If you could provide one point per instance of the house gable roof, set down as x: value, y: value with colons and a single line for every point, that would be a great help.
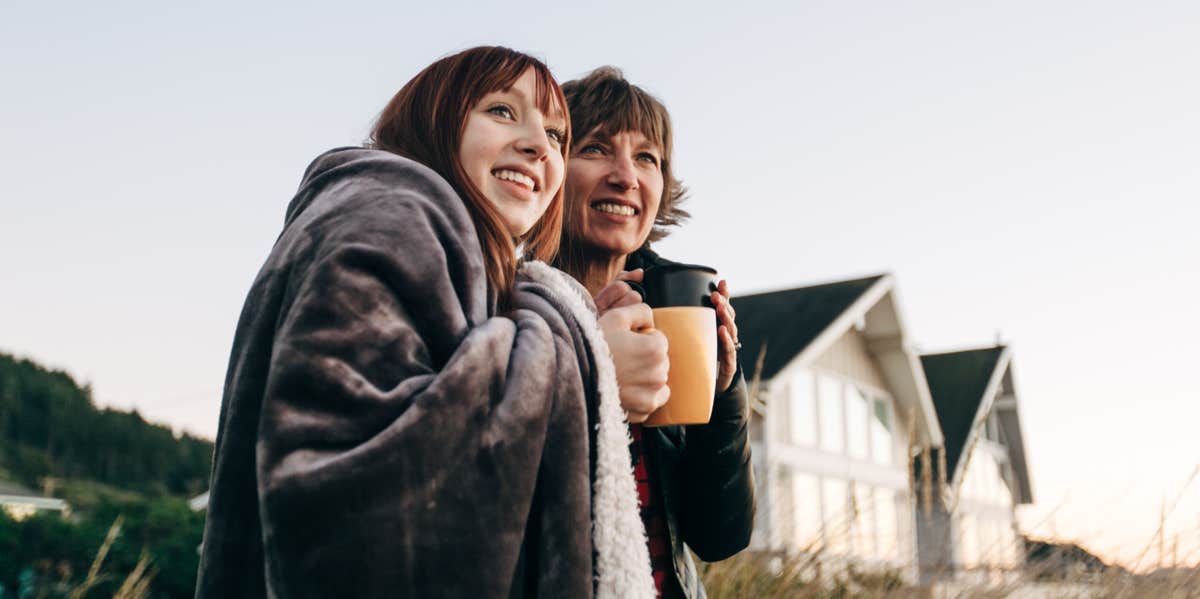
x: 957, y: 381
x: 793, y: 326
x: 778, y: 325
x: 12, y: 493
x: 964, y: 386
x: 12, y: 489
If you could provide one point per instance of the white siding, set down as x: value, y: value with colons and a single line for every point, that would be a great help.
x: 836, y: 458
x: 848, y: 356
x: 985, y: 530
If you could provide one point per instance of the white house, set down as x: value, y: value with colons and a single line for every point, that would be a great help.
x: 20, y: 503
x: 840, y: 407
x: 970, y: 524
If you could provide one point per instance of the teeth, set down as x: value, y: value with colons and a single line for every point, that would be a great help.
x: 514, y: 176
x: 615, y: 209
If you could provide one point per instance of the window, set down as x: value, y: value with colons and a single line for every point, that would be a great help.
x: 864, y: 519
x: 882, y: 442
x: 829, y: 403
x: 968, y: 540
x: 835, y: 519
x: 888, y: 533
x: 783, y: 507
x: 806, y: 510
x: 851, y: 420
x: 858, y: 409
x: 803, y: 410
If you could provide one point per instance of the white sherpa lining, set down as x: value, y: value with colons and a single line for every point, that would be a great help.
x: 618, y: 534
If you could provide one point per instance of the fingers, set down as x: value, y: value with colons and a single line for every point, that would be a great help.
x: 640, y: 359
x: 638, y: 316
x: 723, y: 289
x: 726, y: 358
x: 634, y: 275
x: 604, y: 300
x: 727, y: 334
x: 725, y: 314
x: 728, y: 348
x: 636, y: 417
x: 615, y: 295
x: 636, y: 412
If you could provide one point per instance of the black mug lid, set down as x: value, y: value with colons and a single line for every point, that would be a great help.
x: 676, y: 266
x: 675, y: 284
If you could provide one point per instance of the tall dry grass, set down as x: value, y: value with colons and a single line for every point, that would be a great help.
x: 812, y: 573
x: 767, y: 576
x: 135, y: 585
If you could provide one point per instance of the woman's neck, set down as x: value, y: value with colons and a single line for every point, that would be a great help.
x: 599, y: 271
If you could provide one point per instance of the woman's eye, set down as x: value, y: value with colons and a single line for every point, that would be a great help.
x: 501, y: 111
x: 648, y: 158
x: 556, y: 135
x: 591, y: 149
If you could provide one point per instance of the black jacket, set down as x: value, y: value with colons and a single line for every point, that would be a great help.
x: 706, y: 479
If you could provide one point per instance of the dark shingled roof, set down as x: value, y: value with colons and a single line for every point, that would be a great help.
x: 13, y: 489
x: 785, y: 322
x: 957, y: 381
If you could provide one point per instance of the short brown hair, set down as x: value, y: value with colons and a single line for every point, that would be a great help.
x: 425, y: 120
x: 604, y: 100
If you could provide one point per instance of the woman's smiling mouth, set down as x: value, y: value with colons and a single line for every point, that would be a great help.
x: 515, y: 177
x: 614, y: 208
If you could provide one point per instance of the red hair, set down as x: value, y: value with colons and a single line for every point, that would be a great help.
x: 425, y: 120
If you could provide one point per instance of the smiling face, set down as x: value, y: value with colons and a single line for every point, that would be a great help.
x: 614, y: 186
x: 512, y: 153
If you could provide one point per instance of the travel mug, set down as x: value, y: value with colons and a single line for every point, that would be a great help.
x: 679, y: 297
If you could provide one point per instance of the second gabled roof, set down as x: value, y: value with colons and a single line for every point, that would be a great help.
x: 964, y: 385
x: 785, y: 322
x: 957, y: 381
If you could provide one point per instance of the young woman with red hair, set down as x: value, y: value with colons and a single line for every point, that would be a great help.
x: 416, y: 405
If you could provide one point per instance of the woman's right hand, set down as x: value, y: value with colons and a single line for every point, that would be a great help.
x: 640, y: 359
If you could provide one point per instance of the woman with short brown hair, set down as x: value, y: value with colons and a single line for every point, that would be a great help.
x: 695, y: 482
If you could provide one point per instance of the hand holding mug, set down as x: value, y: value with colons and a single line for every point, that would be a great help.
x: 618, y: 293
x: 727, y: 337
x: 640, y: 359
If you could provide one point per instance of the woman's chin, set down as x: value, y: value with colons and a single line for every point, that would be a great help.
x: 606, y: 248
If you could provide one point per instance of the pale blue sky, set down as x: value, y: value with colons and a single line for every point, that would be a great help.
x: 1027, y: 168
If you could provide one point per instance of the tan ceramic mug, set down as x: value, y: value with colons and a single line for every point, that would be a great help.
x: 679, y: 296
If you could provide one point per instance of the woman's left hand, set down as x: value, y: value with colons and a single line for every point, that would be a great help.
x: 617, y: 294
x: 727, y: 337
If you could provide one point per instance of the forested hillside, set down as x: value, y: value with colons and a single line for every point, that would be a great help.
x: 49, y: 426
x: 111, y: 467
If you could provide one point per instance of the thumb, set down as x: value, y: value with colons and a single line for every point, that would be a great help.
x: 634, y: 275
x: 638, y: 316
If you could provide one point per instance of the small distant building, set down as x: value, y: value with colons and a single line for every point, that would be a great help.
x: 20, y: 503
x: 981, y: 474
x: 840, y: 405
x: 199, y: 503
x: 1064, y: 561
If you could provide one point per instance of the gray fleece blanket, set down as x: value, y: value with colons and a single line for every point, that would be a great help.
x: 384, y: 434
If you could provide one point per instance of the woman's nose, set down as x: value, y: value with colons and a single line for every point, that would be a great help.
x: 534, y: 143
x: 622, y: 174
